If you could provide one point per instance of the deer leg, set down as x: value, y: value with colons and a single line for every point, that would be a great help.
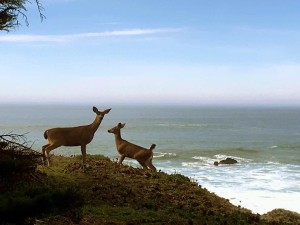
x: 150, y: 165
x: 44, y: 153
x: 47, y: 150
x: 143, y: 164
x: 83, y: 152
x: 121, y: 158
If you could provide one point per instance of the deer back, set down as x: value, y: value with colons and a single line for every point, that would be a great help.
x: 70, y: 136
x: 133, y: 151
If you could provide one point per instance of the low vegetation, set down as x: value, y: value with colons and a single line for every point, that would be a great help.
x: 105, y: 193
x: 25, y: 191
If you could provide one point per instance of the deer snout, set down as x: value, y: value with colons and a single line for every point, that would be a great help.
x: 109, y: 131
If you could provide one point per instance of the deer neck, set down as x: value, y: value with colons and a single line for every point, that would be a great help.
x: 118, y: 138
x: 96, y: 123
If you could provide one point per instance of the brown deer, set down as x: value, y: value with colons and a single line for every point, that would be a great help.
x: 72, y: 136
x: 126, y: 149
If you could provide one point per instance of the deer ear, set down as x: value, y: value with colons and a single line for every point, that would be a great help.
x: 120, y: 125
x: 95, y: 109
x: 106, y: 111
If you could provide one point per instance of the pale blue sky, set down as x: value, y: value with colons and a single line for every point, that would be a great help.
x: 155, y: 51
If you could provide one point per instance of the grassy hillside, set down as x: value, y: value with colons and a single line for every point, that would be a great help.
x: 124, y: 195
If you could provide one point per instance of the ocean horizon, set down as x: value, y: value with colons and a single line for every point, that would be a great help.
x: 264, y: 140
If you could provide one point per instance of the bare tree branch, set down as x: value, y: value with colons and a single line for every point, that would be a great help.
x: 17, y: 146
x: 40, y: 8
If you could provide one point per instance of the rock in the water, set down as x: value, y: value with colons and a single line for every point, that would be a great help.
x: 225, y: 161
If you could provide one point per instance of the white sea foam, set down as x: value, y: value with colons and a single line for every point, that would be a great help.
x: 260, y: 187
x: 164, y: 155
x: 239, y: 159
x: 209, y: 161
x: 258, y: 201
x: 200, y: 161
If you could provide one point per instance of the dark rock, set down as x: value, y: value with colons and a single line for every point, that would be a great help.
x: 225, y: 161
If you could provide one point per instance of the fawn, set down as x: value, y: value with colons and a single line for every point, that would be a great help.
x: 126, y: 149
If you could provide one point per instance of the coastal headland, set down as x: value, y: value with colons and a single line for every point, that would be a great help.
x: 114, y: 194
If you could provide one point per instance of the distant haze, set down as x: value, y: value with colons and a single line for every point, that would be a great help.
x: 153, y: 52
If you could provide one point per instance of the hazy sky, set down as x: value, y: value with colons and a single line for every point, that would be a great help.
x: 155, y: 51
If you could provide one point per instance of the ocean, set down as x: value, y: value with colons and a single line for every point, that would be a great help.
x: 264, y: 141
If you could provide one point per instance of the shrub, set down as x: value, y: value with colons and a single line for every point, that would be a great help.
x: 23, y: 198
x: 16, y: 156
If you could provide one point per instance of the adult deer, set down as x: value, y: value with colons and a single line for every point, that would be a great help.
x: 72, y: 136
x: 126, y: 149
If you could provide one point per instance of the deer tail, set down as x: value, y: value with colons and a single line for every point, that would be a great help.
x: 45, y: 134
x: 152, y: 147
